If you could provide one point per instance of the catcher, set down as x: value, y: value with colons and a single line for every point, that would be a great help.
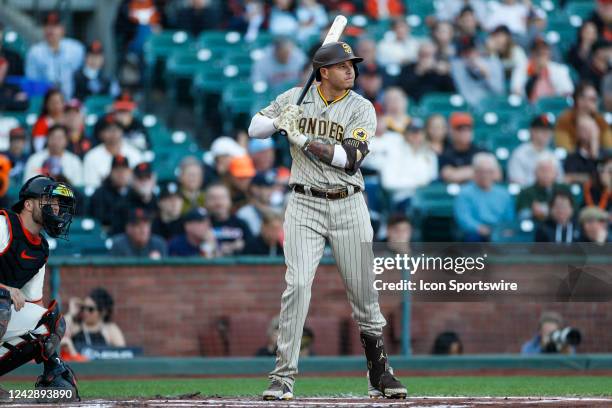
x: 28, y: 330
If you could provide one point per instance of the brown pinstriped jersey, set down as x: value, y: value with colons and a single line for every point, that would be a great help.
x: 350, y: 116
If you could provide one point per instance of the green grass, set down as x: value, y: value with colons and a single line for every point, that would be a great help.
x: 336, y: 386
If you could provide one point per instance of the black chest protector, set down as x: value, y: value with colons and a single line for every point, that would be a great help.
x: 22, y: 258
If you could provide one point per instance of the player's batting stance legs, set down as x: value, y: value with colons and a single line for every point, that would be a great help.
x: 29, y: 331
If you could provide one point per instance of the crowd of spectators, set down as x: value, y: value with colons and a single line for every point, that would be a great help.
x: 232, y: 202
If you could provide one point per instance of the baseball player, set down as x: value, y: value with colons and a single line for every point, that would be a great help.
x: 28, y: 330
x: 329, y: 136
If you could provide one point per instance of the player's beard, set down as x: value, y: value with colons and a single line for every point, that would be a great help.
x: 37, y: 215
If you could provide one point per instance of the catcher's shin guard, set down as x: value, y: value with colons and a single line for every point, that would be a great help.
x: 5, y: 310
x: 40, y: 347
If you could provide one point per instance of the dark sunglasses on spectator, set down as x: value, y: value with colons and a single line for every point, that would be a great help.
x: 90, y: 309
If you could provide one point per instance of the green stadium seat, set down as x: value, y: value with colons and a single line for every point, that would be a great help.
x: 167, y: 160
x: 242, y: 99
x: 514, y: 232
x: 421, y: 8
x: 11, y: 40
x: 221, y: 39
x: 181, y: 68
x: 554, y: 105
x: 443, y: 103
x: 158, y: 48
x: 85, y: 225
x: 432, y: 212
x: 97, y: 104
x: 582, y: 9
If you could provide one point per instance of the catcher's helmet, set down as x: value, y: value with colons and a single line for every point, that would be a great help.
x: 333, y: 53
x: 56, y: 221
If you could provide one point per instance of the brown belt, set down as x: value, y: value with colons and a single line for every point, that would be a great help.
x: 329, y: 195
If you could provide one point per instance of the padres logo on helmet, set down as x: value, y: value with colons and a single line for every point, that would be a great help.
x: 347, y: 48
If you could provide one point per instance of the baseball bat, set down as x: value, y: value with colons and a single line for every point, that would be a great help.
x: 333, y: 35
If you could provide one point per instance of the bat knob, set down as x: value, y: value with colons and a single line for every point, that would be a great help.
x: 283, y: 132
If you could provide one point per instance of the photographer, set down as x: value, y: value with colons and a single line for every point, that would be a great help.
x: 551, y: 338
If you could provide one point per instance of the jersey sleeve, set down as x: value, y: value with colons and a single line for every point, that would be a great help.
x: 33, y: 290
x: 273, y: 110
x: 362, y: 125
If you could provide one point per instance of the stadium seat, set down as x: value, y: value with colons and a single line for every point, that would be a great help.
x: 158, y: 48
x: 432, y: 211
x: 11, y: 40
x: 225, y: 40
x: 181, y: 68
x: 582, y: 9
x: 554, y: 105
x: 97, y: 104
x: 443, y: 103
x: 421, y: 8
x: 242, y: 98
x: 514, y: 232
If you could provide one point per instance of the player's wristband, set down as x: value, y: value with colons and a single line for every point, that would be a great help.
x: 302, y: 141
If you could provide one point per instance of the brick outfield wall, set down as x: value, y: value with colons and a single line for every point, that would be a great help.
x: 168, y: 310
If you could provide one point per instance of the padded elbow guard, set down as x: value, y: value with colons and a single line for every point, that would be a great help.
x: 356, y: 151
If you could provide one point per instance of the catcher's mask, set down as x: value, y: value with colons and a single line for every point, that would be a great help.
x: 57, y: 204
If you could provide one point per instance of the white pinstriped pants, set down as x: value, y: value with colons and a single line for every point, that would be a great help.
x: 346, y: 224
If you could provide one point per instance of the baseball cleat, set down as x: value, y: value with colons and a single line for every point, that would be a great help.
x: 390, y: 387
x: 277, y: 391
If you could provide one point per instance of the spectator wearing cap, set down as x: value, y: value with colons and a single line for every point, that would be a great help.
x: 540, y: 76
x: 261, y: 191
x: 13, y: 59
x: 370, y: 84
x: 111, y: 197
x: 586, y: 101
x: 136, y: 21
x: 198, y: 239
x: 466, y: 24
x: 481, y: 204
x: 398, y: 46
x: 395, y: 108
x: 221, y: 153
x: 428, y: 74
x: 475, y: 76
x: 522, y: 163
x: 168, y: 222
x: 240, y: 173
x: 500, y: 44
x: 52, y: 113
x: 197, y: 16
x: 137, y: 240
x: 230, y: 231
x: 141, y: 194
x: 455, y: 162
x: 12, y: 98
x: 98, y: 161
x: 57, y: 58
x: 581, y: 165
x: 191, y: 181
x: 409, y: 163
x: 560, y: 226
x: 269, y: 242
x: 90, y: 79
x: 263, y: 154
x: 74, y: 120
x: 57, y: 142
x: 594, y: 225
x: 123, y: 112
x: 597, y: 191
x: 599, y: 63
x: 17, y: 153
x: 281, y: 64
x: 532, y: 202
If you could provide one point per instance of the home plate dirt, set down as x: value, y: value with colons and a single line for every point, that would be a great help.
x: 412, y: 402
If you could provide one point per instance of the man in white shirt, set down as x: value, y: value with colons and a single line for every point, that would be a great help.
x: 70, y: 164
x: 398, y: 46
x: 523, y: 161
x: 97, y: 162
x: 57, y: 58
x: 28, y: 330
x: 409, y: 163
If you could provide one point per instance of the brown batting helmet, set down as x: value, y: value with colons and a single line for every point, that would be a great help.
x: 333, y: 53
